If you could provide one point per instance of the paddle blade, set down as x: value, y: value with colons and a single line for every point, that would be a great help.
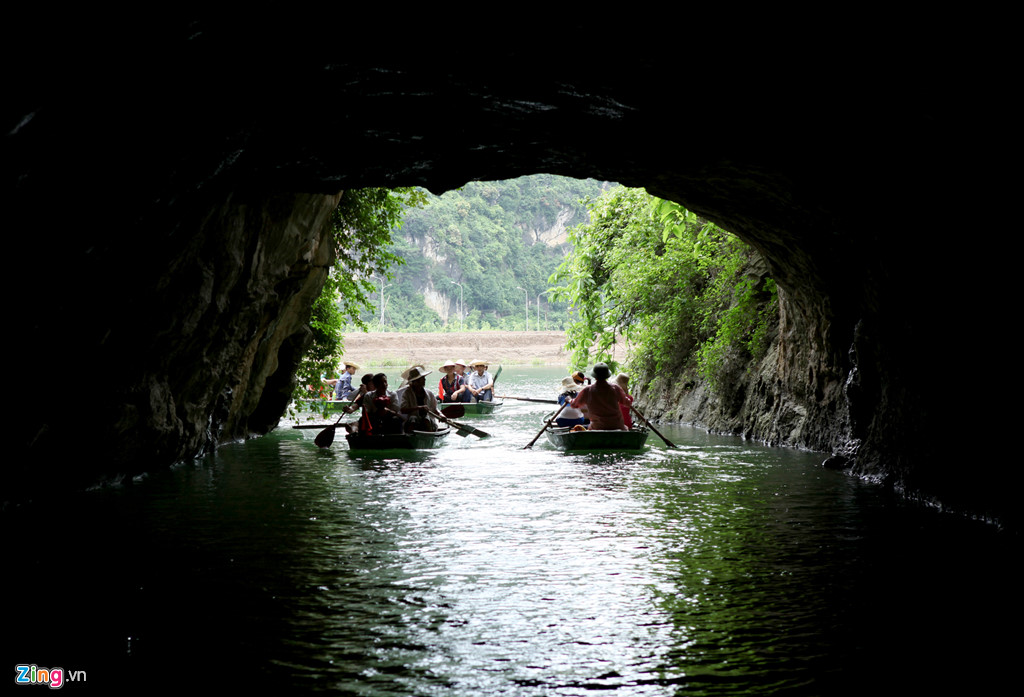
x: 325, y: 437
x: 454, y: 411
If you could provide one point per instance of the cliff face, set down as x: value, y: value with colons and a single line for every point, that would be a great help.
x: 166, y: 193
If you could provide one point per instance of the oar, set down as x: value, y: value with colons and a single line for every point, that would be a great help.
x: 527, y: 399
x: 311, y: 426
x: 550, y: 421
x: 454, y: 411
x: 651, y: 426
x: 326, y: 436
x: 462, y: 429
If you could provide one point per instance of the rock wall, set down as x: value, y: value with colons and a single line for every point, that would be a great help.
x: 164, y: 189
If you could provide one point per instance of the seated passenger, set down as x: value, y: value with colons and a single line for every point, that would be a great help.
x: 380, y: 409
x: 603, y: 400
x: 343, y: 388
x: 460, y: 370
x: 480, y: 383
x: 569, y: 416
x: 451, y: 387
x: 622, y: 380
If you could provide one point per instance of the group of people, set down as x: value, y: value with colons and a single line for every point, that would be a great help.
x: 412, y: 407
x: 456, y: 386
x: 599, y: 405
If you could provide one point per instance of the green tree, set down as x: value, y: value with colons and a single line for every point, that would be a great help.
x: 361, y: 228
x: 678, y: 288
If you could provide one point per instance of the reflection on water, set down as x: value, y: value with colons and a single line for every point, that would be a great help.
x: 717, y: 568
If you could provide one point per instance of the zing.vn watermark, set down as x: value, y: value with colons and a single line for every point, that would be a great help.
x: 52, y: 677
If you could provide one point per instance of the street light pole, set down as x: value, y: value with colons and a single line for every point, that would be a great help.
x: 380, y: 304
x: 538, y: 310
x: 462, y: 307
x: 527, y: 307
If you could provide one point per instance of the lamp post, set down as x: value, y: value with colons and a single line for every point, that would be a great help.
x: 462, y: 307
x: 527, y: 307
x: 538, y: 311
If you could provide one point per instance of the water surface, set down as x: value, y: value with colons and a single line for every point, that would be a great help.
x: 716, y: 568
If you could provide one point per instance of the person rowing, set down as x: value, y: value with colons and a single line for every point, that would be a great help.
x: 418, y: 402
x: 603, y: 401
x: 480, y: 384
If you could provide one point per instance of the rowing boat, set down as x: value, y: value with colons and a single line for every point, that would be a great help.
x: 416, y: 440
x: 567, y: 439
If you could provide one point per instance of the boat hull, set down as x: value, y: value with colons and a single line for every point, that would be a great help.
x: 417, y: 440
x: 475, y: 408
x: 566, y: 439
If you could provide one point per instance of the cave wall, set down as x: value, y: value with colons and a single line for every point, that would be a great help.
x: 166, y: 187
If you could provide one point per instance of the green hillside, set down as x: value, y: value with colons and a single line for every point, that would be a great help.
x: 500, y: 240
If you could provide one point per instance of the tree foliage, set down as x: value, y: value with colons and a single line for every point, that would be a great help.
x: 676, y: 286
x: 361, y: 228
x: 483, y: 237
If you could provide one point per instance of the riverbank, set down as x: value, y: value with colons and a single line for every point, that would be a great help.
x: 434, y: 348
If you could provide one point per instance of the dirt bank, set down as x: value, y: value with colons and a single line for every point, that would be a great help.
x: 433, y: 349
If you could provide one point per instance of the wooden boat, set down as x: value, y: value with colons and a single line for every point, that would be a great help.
x: 416, y: 440
x: 476, y: 408
x: 567, y: 439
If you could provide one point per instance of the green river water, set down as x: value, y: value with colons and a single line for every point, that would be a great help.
x: 718, y: 568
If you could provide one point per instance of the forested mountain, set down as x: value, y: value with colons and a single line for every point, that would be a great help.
x: 500, y: 240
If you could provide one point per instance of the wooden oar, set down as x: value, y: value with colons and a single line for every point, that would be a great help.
x: 651, y: 426
x: 550, y: 421
x: 454, y: 411
x: 527, y: 399
x: 462, y: 429
x: 326, y: 436
x: 312, y: 426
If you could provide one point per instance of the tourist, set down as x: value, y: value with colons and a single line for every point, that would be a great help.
x: 380, y: 409
x: 418, y: 403
x: 569, y: 416
x: 365, y: 387
x: 460, y: 370
x: 622, y: 380
x: 603, y: 400
x: 343, y: 388
x: 451, y: 386
x: 480, y: 384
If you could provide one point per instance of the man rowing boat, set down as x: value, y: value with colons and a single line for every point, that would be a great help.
x: 418, y: 402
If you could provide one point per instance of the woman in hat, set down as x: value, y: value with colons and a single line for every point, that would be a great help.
x: 418, y: 402
x: 451, y: 386
x: 460, y: 370
x: 480, y: 384
x: 569, y: 416
x: 603, y: 401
